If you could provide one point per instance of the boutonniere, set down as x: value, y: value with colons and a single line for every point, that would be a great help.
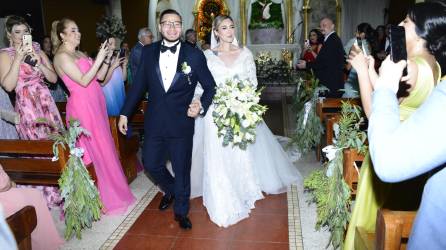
x: 186, y: 70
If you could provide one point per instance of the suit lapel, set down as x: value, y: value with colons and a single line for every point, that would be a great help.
x: 157, y: 64
x: 181, y: 58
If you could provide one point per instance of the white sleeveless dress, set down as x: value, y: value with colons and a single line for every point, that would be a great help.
x: 230, y: 179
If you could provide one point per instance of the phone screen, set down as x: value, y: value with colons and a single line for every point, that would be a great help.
x: 27, y: 41
x: 121, y: 53
x: 398, y: 50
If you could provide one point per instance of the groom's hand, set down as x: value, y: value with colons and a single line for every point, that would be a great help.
x: 122, y: 124
x: 194, y: 108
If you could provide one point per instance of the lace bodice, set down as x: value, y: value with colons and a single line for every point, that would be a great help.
x: 243, y: 67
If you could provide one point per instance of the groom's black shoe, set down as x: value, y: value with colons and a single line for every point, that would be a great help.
x: 165, y: 202
x: 183, y: 221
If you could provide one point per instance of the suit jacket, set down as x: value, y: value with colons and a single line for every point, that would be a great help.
x: 135, y: 59
x: 166, y: 113
x: 329, y: 64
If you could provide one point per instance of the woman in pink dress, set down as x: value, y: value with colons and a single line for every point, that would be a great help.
x: 87, y: 104
x: 44, y: 236
x: 33, y: 99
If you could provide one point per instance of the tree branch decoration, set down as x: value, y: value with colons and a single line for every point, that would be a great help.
x: 82, y: 204
x: 309, y: 128
x: 110, y: 26
x: 327, y: 186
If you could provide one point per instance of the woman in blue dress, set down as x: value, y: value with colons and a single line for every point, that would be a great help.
x: 113, y: 85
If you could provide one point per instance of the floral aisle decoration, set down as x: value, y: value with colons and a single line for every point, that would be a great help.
x: 309, y: 128
x: 110, y: 26
x: 82, y: 204
x: 237, y: 112
x: 327, y: 186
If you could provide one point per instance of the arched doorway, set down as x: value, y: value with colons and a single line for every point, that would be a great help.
x: 205, y: 11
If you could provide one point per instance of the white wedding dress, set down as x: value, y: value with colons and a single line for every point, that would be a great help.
x: 230, y: 179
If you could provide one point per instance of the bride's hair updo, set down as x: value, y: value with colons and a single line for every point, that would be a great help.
x: 58, y: 27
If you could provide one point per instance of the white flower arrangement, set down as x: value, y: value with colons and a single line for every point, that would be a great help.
x: 237, y: 112
x: 187, y: 71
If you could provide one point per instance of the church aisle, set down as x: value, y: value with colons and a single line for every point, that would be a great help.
x: 266, y: 228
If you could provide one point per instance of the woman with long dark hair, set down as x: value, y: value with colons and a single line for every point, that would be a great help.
x: 425, y: 28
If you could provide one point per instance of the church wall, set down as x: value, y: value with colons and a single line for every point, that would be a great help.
x: 319, y: 10
x: 84, y: 12
x: 134, y: 16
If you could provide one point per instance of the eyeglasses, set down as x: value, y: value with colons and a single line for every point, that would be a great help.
x: 168, y: 24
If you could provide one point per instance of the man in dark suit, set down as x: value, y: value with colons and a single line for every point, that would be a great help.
x: 329, y: 64
x: 145, y: 37
x: 169, y: 72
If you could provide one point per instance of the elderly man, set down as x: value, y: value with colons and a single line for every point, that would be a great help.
x: 145, y: 37
x: 329, y: 63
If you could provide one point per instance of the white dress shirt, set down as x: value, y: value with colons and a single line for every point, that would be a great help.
x: 168, y: 64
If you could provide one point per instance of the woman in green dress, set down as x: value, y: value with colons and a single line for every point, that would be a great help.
x: 423, y: 74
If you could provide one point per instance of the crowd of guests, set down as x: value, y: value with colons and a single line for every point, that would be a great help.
x: 56, y: 70
x: 406, y: 139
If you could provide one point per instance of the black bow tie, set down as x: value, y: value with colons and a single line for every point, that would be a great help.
x: 172, y: 49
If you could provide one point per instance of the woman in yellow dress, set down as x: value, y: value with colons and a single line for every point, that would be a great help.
x: 423, y: 74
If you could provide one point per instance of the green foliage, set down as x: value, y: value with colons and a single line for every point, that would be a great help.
x: 308, y: 125
x: 327, y: 187
x: 82, y: 204
x: 110, y: 26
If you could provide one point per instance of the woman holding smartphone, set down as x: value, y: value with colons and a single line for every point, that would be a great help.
x: 424, y: 27
x: 87, y: 104
x: 23, y: 68
x: 113, y: 85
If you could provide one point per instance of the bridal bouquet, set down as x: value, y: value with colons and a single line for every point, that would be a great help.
x: 237, y: 112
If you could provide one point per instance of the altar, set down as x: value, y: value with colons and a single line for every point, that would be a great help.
x: 276, y: 50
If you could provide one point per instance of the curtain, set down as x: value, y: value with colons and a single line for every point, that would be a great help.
x: 355, y: 12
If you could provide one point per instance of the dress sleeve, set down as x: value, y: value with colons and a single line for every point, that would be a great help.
x: 401, y: 151
x: 251, y: 67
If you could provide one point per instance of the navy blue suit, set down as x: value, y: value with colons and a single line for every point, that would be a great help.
x: 168, y: 131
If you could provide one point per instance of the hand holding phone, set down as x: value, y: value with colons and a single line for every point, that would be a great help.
x: 398, y: 50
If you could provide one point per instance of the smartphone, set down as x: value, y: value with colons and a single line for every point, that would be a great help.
x: 398, y: 50
x: 27, y: 43
x: 30, y: 61
x: 121, y: 53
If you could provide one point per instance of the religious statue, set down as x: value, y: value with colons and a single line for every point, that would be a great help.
x: 266, y: 21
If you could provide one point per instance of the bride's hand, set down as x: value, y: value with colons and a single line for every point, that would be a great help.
x: 194, y: 108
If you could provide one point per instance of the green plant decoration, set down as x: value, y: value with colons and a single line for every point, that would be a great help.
x: 309, y: 128
x: 327, y: 187
x: 82, y: 204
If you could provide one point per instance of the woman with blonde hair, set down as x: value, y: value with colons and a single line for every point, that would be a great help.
x: 87, y: 104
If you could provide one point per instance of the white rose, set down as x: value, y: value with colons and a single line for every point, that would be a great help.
x: 245, y: 123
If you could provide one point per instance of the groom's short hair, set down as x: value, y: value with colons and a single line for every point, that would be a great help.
x: 169, y: 11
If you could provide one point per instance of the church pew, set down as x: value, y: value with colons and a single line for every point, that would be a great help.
x: 22, y: 223
x: 351, y: 165
x: 29, y: 161
x: 127, y: 149
x: 325, y: 109
x: 391, y: 233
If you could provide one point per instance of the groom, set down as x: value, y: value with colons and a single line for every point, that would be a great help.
x: 169, y: 72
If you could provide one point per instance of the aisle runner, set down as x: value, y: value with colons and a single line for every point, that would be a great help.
x: 271, y: 206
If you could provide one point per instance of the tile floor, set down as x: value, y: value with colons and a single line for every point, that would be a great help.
x: 266, y: 228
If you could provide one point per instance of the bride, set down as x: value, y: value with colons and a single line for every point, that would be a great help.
x: 231, y: 180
